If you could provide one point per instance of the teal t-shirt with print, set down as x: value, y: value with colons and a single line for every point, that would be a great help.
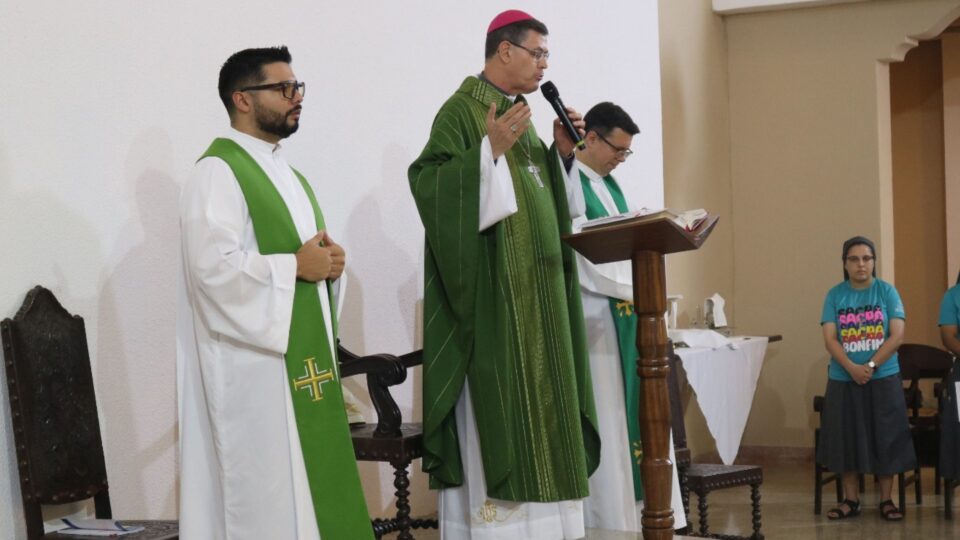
x: 863, y: 319
x: 950, y: 308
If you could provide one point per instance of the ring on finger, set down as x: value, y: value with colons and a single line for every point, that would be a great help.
x: 513, y: 128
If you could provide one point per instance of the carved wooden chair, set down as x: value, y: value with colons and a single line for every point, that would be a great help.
x: 390, y: 439
x: 822, y: 476
x: 703, y: 478
x: 54, y: 411
x: 679, y: 432
x: 918, y: 363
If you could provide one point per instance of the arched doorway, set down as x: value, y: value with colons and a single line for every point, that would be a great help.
x: 925, y: 175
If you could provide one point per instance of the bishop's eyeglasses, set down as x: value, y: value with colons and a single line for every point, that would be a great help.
x: 289, y: 89
x: 537, y: 54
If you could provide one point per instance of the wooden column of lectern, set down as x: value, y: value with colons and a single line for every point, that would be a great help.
x: 645, y: 241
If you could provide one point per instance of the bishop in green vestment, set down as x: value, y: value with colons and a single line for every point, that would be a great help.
x: 502, y: 311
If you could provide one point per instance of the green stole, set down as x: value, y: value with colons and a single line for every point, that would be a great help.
x: 502, y: 313
x: 338, y: 501
x: 625, y: 322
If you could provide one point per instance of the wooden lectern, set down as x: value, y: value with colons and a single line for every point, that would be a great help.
x: 645, y: 241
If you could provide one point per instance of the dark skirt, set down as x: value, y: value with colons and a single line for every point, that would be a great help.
x: 864, y: 428
x: 950, y: 428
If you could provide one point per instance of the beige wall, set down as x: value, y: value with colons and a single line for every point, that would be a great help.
x: 950, y: 44
x: 780, y: 123
x: 916, y: 108
x: 696, y: 158
x: 807, y: 171
x: 693, y: 61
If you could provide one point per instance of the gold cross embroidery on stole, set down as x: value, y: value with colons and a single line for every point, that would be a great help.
x: 313, y: 380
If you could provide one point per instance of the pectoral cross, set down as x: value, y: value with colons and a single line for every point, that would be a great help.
x: 535, y: 171
x: 313, y: 380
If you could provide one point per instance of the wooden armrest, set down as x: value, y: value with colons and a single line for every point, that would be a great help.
x: 411, y: 359
x: 382, y: 371
x: 387, y: 367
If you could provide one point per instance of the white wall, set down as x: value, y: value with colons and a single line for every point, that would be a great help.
x: 105, y: 106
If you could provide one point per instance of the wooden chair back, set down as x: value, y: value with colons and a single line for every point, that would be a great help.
x: 677, y: 426
x: 53, y: 407
x: 918, y: 362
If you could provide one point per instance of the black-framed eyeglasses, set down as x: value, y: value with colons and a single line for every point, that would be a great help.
x: 289, y: 89
x: 853, y: 259
x: 622, y: 153
x: 537, y: 54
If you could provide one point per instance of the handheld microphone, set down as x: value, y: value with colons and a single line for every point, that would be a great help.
x: 553, y: 96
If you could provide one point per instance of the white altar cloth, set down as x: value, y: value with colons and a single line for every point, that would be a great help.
x: 724, y: 381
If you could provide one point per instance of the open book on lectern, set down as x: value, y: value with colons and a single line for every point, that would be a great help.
x: 688, y: 220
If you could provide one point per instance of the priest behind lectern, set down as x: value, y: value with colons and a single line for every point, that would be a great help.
x: 616, y: 494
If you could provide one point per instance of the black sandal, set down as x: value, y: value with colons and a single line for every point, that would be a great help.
x: 838, y: 513
x: 888, y: 509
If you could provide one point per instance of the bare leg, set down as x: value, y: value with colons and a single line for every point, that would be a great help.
x: 886, y: 491
x: 851, y: 486
x: 886, y: 487
x: 851, y: 492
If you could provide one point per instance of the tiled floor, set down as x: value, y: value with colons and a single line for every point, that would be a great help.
x: 787, y: 506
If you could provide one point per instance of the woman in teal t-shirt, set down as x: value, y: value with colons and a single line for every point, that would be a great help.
x: 864, y: 424
x: 950, y: 319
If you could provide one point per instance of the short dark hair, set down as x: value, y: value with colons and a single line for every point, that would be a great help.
x: 514, y: 33
x: 605, y: 117
x: 859, y: 241
x: 245, y: 68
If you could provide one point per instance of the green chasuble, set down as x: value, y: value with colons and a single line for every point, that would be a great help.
x: 331, y: 467
x: 502, y: 312
x: 625, y: 323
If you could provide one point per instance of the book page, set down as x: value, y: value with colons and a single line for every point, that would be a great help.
x: 688, y: 219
